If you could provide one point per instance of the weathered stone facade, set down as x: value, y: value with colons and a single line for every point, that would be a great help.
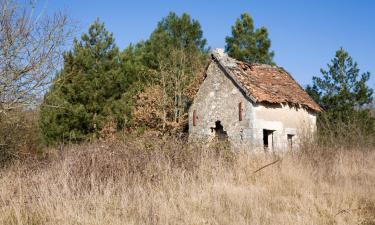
x: 220, y: 101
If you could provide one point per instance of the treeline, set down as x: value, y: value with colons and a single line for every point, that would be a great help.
x: 146, y: 85
x: 150, y: 85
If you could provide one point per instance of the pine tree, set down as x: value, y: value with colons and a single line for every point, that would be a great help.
x: 343, y: 92
x: 174, y: 33
x: 248, y: 45
x: 91, y: 89
x: 175, y: 54
x: 341, y: 88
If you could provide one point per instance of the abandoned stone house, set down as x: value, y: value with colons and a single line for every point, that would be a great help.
x: 253, y: 106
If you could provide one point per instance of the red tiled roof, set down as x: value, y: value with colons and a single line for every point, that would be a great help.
x: 266, y: 83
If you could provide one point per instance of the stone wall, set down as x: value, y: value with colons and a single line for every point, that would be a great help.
x: 218, y: 100
x: 283, y: 120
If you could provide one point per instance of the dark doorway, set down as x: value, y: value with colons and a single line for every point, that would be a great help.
x: 290, y: 141
x: 220, y: 133
x: 267, y: 138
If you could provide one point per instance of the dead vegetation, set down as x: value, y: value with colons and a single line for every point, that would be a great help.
x: 152, y: 180
x: 19, y: 136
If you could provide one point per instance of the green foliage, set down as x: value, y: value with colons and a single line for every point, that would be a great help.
x: 343, y: 93
x: 175, y: 54
x: 95, y: 84
x: 98, y: 82
x: 248, y: 45
x: 173, y: 32
x: 341, y: 89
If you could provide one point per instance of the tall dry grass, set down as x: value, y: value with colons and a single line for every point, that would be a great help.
x: 155, y: 181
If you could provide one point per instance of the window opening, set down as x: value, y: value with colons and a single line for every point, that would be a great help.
x: 220, y: 133
x: 194, y: 118
x: 240, y: 111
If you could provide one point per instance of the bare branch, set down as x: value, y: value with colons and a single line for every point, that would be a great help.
x: 31, y: 48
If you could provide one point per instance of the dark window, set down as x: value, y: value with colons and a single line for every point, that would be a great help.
x: 220, y: 133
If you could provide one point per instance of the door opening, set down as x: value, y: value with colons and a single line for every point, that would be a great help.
x: 290, y: 141
x: 268, y: 139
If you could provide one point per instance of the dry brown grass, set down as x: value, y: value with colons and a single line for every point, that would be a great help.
x: 19, y: 135
x: 151, y: 181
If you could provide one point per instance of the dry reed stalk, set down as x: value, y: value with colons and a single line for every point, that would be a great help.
x: 149, y: 181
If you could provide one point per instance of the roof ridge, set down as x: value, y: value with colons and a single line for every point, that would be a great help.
x: 250, y: 81
x: 218, y: 59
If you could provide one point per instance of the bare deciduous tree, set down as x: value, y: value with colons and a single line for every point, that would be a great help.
x: 31, y: 48
x: 163, y: 106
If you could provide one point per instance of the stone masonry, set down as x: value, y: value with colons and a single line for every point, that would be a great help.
x: 223, y: 110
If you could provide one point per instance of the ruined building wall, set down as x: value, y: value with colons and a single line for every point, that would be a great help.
x: 283, y: 120
x: 218, y: 99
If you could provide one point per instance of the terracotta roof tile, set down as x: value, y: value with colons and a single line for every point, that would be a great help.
x: 266, y: 83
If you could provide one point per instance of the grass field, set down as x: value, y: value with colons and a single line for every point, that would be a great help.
x: 154, y: 181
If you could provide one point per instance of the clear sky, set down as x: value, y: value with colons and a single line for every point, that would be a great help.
x: 304, y: 34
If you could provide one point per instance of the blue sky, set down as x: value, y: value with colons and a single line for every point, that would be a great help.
x: 304, y: 34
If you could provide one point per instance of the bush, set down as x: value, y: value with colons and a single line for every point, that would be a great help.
x: 19, y: 136
x: 356, y: 130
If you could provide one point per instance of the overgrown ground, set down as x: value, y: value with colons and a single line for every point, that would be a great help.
x: 153, y: 181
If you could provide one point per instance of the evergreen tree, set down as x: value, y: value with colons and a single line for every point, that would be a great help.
x: 174, y: 33
x: 247, y: 44
x: 91, y: 89
x: 342, y: 92
x: 341, y: 89
x: 175, y: 54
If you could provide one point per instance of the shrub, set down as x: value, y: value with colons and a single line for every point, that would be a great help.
x: 357, y: 131
x: 19, y: 136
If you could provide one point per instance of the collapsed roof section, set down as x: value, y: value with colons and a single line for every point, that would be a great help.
x: 265, y: 83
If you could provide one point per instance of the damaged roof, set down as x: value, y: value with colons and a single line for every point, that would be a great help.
x: 265, y: 83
